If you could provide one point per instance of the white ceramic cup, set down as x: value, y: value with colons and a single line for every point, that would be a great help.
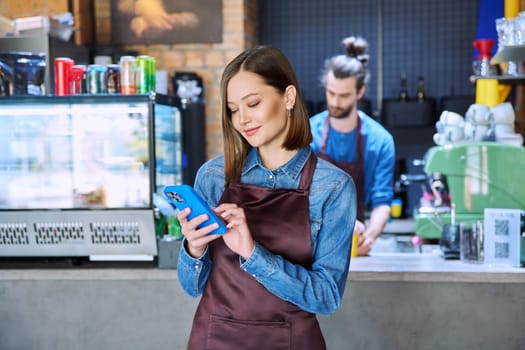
x: 480, y: 131
x: 468, y: 131
x: 504, y: 129
x: 478, y: 114
x: 451, y: 118
x: 503, y: 113
x: 454, y: 133
x: 450, y: 134
x: 439, y: 139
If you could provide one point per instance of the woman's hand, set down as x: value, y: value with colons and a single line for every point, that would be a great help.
x: 238, y: 238
x: 198, y: 239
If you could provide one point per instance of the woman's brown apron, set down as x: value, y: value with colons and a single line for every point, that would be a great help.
x: 355, y: 169
x: 236, y: 311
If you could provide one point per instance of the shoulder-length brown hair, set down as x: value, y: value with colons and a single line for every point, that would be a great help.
x: 275, y: 69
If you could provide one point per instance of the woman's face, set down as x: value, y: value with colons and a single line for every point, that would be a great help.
x: 258, y: 110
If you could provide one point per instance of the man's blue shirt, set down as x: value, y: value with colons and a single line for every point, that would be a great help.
x: 379, y: 154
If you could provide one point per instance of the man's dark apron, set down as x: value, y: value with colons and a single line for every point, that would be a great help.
x: 355, y: 169
x: 236, y: 311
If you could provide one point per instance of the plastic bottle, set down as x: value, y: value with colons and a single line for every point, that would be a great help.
x: 420, y: 89
x: 403, y: 93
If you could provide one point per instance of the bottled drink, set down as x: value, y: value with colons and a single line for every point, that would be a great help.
x: 113, y: 79
x: 420, y: 89
x: 403, y: 93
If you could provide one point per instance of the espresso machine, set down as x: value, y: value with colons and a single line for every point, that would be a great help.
x: 22, y: 73
x: 479, y: 175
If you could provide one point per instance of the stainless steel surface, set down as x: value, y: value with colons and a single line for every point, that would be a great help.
x: 380, y: 267
x: 77, y: 233
x: 429, y: 267
x: 400, y: 226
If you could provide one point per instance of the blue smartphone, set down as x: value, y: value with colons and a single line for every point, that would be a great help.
x: 184, y: 196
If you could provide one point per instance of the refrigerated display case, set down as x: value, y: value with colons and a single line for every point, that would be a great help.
x: 78, y: 174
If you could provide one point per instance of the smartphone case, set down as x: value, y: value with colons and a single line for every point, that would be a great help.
x: 184, y: 196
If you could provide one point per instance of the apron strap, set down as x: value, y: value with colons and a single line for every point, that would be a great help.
x: 308, y: 172
x: 360, y: 146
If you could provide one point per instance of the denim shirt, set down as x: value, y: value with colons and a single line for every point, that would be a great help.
x: 332, y: 205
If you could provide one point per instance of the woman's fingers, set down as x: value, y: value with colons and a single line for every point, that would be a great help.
x: 198, y: 238
x: 230, y: 212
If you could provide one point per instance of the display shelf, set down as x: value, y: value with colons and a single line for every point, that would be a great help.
x: 501, y: 78
x: 509, y: 53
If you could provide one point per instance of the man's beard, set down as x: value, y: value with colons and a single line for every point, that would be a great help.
x: 340, y: 113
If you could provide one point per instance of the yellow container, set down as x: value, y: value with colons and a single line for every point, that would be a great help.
x: 355, y: 238
x: 490, y: 92
x: 396, y: 208
x: 511, y: 8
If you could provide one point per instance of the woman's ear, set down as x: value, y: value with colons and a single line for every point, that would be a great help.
x: 289, y: 96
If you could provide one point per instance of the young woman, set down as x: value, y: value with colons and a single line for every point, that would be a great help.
x: 289, y: 215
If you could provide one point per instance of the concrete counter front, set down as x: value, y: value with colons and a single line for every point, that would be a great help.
x: 392, y: 301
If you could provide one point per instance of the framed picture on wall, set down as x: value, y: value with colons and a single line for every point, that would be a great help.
x: 166, y: 21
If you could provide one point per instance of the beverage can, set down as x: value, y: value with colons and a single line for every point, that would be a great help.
x: 63, y: 67
x: 128, y: 85
x: 78, y: 79
x: 96, y: 79
x: 113, y: 79
x: 152, y: 73
x: 143, y: 73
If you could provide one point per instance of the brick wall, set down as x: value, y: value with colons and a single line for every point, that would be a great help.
x: 207, y: 60
x: 14, y: 8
